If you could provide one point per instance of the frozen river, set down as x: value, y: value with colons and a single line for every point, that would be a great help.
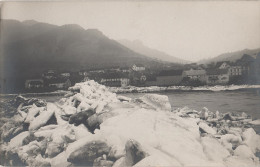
x: 247, y: 101
x: 238, y: 101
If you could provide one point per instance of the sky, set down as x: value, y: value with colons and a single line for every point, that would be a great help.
x: 191, y: 30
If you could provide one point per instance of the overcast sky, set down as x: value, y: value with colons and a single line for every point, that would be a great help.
x: 191, y: 30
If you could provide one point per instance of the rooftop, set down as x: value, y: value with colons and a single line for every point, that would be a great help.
x: 195, y: 72
x: 216, y: 71
x: 36, y: 82
x: 170, y: 73
x: 114, y: 75
x: 57, y: 80
x: 139, y: 65
x: 218, y: 64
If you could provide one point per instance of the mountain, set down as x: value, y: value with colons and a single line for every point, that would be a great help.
x: 139, y: 47
x: 29, y: 48
x: 231, y: 56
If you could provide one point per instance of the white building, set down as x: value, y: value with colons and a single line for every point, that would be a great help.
x: 33, y: 83
x: 217, y: 76
x: 125, y: 69
x: 224, y: 65
x: 195, y: 74
x: 138, y: 67
x: 121, y: 82
x: 59, y: 83
x: 115, y: 79
x: 65, y: 74
x: 124, y: 82
x: 235, y: 70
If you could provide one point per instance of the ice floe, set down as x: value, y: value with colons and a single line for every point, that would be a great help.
x: 91, y: 126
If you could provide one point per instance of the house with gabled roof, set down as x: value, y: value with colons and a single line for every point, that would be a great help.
x: 257, y: 69
x: 223, y: 65
x: 50, y: 74
x: 247, y: 64
x: 115, y: 79
x: 217, y: 76
x: 59, y: 83
x: 235, y: 70
x: 33, y: 83
x: 169, y: 77
x: 65, y: 74
x: 138, y: 67
x: 125, y: 69
x: 195, y: 74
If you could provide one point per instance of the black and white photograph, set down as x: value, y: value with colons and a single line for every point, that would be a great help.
x: 120, y: 83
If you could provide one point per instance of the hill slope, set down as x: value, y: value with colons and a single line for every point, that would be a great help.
x: 232, y: 56
x: 139, y: 47
x: 28, y: 48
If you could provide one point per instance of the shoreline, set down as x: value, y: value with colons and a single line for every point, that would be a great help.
x: 149, y: 89
x: 217, y: 88
x: 55, y: 93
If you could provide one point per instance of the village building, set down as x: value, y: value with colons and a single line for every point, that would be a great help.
x: 50, y: 74
x: 217, y: 76
x: 115, y: 80
x: 65, y: 74
x: 247, y: 64
x: 202, y: 66
x: 97, y: 71
x: 235, y: 70
x: 150, y: 80
x: 125, y: 69
x: 137, y: 78
x: 191, y: 65
x: 34, y: 83
x: 169, y: 78
x: 195, y: 74
x: 257, y: 68
x: 138, y: 67
x: 113, y: 69
x: 125, y: 82
x: 223, y: 65
x: 143, y: 78
x: 83, y: 73
x: 59, y: 83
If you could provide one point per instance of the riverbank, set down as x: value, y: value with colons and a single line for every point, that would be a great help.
x: 151, y: 89
x: 55, y: 93
x: 93, y: 126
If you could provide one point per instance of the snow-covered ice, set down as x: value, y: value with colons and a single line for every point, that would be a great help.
x: 94, y: 126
